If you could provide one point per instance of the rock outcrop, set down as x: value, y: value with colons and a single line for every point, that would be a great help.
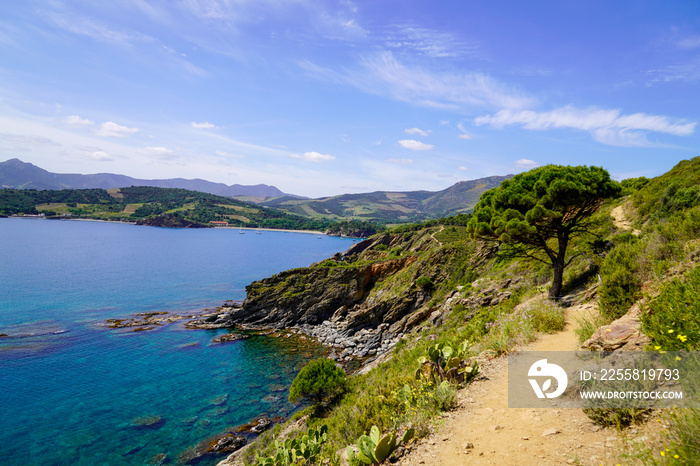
x: 334, y: 305
x: 624, y: 334
x: 364, y: 301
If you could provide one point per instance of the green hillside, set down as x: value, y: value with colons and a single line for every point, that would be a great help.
x: 148, y: 205
x: 390, y: 207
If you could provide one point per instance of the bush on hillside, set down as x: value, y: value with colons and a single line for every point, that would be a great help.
x: 672, y: 319
x: 622, y: 281
x: 320, y: 380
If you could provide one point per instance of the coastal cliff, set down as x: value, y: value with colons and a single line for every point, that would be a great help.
x: 364, y: 301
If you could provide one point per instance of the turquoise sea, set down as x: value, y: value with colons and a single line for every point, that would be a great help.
x: 74, y: 392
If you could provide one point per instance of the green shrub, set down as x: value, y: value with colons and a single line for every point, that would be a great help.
x: 622, y: 281
x: 682, y: 436
x: 672, y: 319
x: 617, y: 417
x: 380, y: 247
x: 319, y: 380
x: 631, y: 185
x: 425, y: 282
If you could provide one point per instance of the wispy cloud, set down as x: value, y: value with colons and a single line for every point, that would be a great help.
x: 230, y: 155
x: 385, y: 74
x: 415, y: 145
x: 77, y: 122
x: 203, y: 125
x: 689, y: 42
x: 465, y: 134
x: 382, y: 74
x: 605, y: 126
x: 162, y: 153
x: 112, y: 129
x: 313, y: 157
x: 98, y: 30
x: 415, y: 131
x: 525, y: 164
x: 400, y: 161
x: 100, y: 156
x: 429, y: 42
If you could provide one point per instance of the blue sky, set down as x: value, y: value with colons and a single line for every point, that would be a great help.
x: 321, y: 98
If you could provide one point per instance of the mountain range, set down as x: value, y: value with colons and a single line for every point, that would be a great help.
x: 390, y: 206
x: 379, y: 206
x: 21, y: 175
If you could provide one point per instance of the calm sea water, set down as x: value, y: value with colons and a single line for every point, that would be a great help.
x: 73, y: 392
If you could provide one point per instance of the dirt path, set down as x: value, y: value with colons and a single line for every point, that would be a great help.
x: 620, y: 220
x: 483, y: 430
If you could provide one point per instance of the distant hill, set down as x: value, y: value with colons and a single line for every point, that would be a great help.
x: 378, y: 206
x: 21, y: 175
x: 391, y: 207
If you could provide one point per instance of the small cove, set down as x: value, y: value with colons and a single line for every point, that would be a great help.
x: 77, y: 393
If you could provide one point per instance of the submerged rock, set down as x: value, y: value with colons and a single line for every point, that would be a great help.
x: 159, y: 459
x: 147, y: 422
x: 230, y: 337
x: 255, y: 427
x: 219, y: 400
x: 213, y: 446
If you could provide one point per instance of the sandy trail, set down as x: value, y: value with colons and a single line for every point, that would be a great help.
x: 483, y: 430
x: 620, y: 220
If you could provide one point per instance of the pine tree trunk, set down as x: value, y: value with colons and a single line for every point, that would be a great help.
x: 558, y: 265
x: 557, y: 280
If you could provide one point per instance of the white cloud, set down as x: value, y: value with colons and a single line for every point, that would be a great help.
x: 112, y: 129
x: 384, y: 75
x: 690, y: 42
x: 432, y: 43
x: 525, y: 164
x: 465, y: 134
x: 462, y: 168
x: 100, y: 156
x: 77, y: 122
x: 203, y: 125
x: 229, y: 154
x: 415, y: 145
x: 606, y: 126
x: 401, y: 161
x: 415, y: 131
x: 313, y: 157
x: 159, y: 152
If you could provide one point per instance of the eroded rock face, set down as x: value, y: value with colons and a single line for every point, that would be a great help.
x: 624, y: 333
x: 335, y: 305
